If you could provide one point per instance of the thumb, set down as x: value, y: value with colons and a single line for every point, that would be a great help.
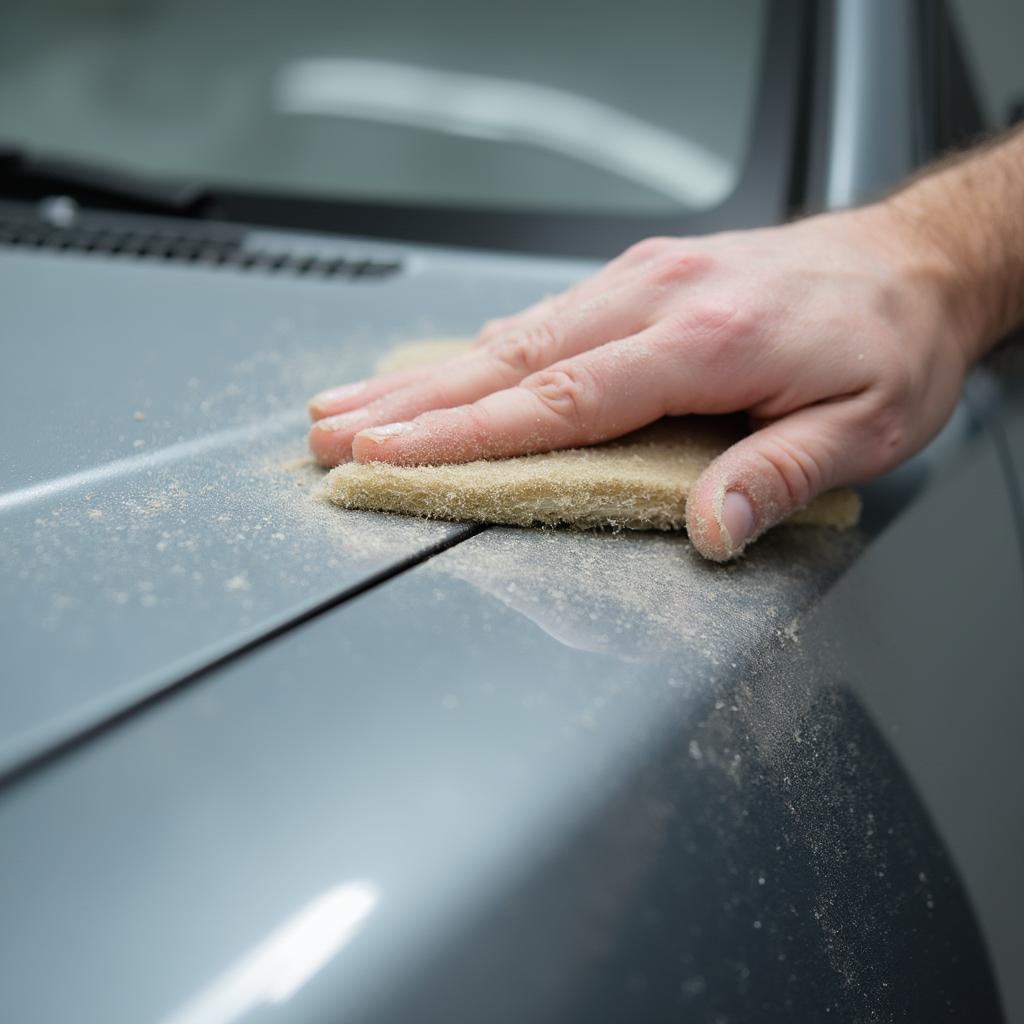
x: 766, y: 477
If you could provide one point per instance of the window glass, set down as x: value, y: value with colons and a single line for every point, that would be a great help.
x: 993, y: 36
x: 548, y: 104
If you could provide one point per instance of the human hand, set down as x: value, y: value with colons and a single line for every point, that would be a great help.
x: 835, y: 334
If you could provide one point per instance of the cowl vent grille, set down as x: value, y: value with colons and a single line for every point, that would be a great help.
x: 187, y: 247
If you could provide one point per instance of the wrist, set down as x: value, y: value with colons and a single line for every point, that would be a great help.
x: 970, y: 210
x: 923, y: 264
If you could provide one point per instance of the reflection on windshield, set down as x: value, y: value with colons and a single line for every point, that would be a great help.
x: 597, y: 106
x: 501, y: 110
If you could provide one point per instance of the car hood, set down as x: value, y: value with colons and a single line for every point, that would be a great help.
x: 158, y: 506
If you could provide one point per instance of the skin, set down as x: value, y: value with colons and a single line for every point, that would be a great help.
x: 845, y: 337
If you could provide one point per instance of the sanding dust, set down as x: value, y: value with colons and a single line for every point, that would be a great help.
x: 639, y: 596
x: 637, y: 482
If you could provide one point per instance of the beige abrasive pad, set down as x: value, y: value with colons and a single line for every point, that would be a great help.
x: 637, y: 482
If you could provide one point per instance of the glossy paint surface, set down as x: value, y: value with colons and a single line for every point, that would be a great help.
x: 542, y: 776
x: 539, y: 776
x: 156, y: 510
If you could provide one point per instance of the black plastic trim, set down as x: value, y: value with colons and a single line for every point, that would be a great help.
x: 810, y: 175
x: 178, y: 241
x: 951, y: 116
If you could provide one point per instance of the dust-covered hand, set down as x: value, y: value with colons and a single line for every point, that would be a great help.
x: 833, y: 336
x: 844, y: 337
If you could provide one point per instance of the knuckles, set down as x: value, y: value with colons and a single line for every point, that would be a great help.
x: 649, y: 249
x: 722, y: 321
x: 801, y: 473
x: 524, y: 351
x: 887, y: 422
x: 679, y: 266
x: 889, y: 408
x: 718, y: 337
x: 569, y: 392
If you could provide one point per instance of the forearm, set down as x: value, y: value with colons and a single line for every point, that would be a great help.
x: 969, y: 212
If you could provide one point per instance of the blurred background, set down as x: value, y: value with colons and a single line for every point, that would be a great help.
x: 992, y: 31
x: 573, y: 105
x: 570, y: 105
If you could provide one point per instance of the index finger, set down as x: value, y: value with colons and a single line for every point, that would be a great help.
x: 578, y: 401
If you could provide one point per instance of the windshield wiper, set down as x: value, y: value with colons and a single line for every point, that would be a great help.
x: 26, y: 176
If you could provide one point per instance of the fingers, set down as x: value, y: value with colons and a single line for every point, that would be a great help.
x: 333, y: 401
x: 588, y: 296
x: 600, y: 394
x: 774, y: 472
x: 620, y: 300
x: 348, y: 397
x: 549, y: 306
x: 490, y: 367
x: 668, y: 369
x: 454, y: 383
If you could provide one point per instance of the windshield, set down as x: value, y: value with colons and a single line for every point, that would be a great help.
x: 620, y: 108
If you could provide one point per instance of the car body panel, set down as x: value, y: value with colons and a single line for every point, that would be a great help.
x: 156, y: 513
x: 535, y: 752
x: 534, y: 775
